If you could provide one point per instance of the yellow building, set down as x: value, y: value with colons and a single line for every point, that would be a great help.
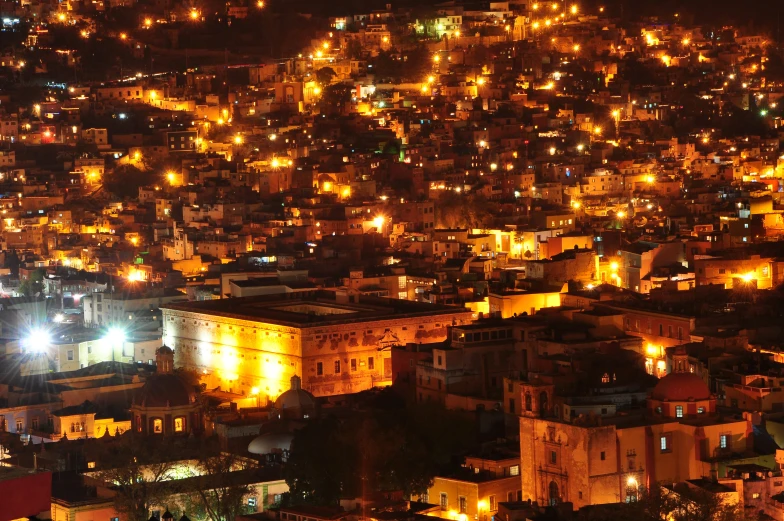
x: 475, y: 491
x: 336, y: 343
x: 518, y: 302
x: 79, y: 421
x: 593, y: 461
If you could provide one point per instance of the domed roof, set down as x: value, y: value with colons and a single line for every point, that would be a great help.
x: 295, y: 398
x: 270, y: 442
x: 164, y: 390
x: 681, y: 387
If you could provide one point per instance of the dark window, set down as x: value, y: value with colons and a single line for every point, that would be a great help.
x: 337, y: 366
x: 319, y: 368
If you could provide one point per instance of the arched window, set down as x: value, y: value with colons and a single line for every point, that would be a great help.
x: 543, y: 403
x: 528, y: 404
x: 555, y: 497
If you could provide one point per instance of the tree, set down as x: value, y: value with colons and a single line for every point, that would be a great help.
x: 142, y: 472
x: 399, y: 448
x: 223, y: 499
x: 325, y: 74
x: 33, y: 285
x: 659, y: 503
x: 125, y: 180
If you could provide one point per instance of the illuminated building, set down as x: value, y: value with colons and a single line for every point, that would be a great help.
x: 591, y: 460
x: 336, y: 344
x: 165, y: 405
x: 85, y: 421
x: 475, y: 491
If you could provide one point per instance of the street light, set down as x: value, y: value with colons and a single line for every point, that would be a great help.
x: 114, y: 336
x: 37, y: 340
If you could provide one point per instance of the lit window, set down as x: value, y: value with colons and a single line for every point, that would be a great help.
x: 679, y: 411
x: 157, y: 426
x: 664, y: 443
x: 724, y: 441
x: 514, y: 470
x: 179, y: 424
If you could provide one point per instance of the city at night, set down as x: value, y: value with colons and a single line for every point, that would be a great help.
x: 391, y: 260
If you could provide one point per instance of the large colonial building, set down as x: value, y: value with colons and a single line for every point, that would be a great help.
x: 336, y: 344
x: 594, y: 460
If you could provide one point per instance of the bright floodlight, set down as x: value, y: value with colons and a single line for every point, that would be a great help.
x: 115, y: 335
x: 38, y: 340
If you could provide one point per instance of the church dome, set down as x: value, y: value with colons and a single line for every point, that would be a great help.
x: 164, y: 390
x: 681, y: 387
x: 270, y: 442
x: 296, y: 402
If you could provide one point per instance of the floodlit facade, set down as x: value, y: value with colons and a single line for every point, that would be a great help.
x: 336, y: 344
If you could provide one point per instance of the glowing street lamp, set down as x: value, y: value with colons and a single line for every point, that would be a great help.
x: 238, y: 139
x: 194, y: 14
x: 378, y: 222
x: 573, y: 9
x: 148, y: 23
x: 37, y: 340
x: 114, y: 338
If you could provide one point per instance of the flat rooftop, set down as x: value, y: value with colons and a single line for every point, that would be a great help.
x: 315, y: 308
x: 9, y: 472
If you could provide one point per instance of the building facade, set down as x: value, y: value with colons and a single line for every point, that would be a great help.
x: 335, y: 344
